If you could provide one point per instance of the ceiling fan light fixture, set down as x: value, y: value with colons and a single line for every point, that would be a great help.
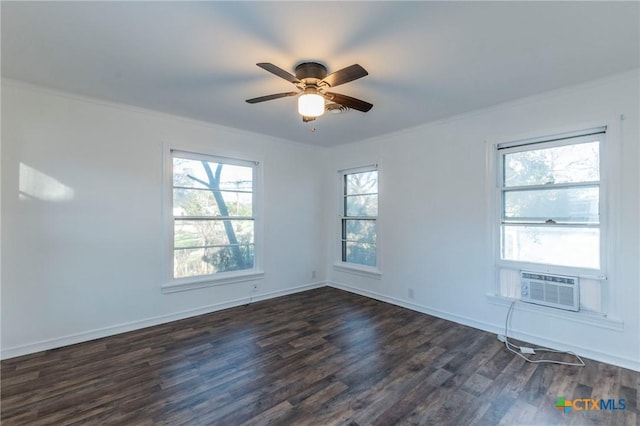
x: 312, y: 81
x: 310, y: 105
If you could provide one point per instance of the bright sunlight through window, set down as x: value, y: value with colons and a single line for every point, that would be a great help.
x: 550, y: 210
x: 213, y: 215
x: 359, y: 216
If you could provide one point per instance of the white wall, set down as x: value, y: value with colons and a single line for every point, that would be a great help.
x: 88, y: 260
x: 82, y: 255
x: 434, y: 217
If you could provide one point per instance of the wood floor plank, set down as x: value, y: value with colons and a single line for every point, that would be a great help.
x: 322, y: 357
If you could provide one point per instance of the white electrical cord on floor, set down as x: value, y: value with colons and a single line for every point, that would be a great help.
x: 522, y: 350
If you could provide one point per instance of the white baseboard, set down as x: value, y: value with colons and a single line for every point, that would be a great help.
x: 630, y: 363
x: 86, y: 336
x: 30, y: 348
x: 274, y: 294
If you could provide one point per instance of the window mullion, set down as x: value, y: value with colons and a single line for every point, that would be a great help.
x: 360, y: 217
x: 544, y: 224
x: 360, y: 194
x: 190, y: 188
x: 550, y: 186
x: 214, y: 218
x: 212, y: 246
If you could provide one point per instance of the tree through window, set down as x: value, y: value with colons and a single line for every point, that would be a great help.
x: 359, y: 216
x: 213, y: 215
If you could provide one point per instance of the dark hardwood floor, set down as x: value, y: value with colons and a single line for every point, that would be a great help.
x: 320, y: 357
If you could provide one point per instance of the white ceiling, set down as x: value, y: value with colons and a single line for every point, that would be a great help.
x: 426, y: 60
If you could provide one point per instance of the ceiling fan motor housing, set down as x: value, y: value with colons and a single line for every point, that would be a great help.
x: 311, y: 70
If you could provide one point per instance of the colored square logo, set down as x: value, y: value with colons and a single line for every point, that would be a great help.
x: 563, y: 405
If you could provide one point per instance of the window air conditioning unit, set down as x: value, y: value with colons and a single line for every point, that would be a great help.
x: 557, y: 291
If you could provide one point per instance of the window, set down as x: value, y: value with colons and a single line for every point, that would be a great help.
x: 550, y: 205
x: 358, y: 218
x: 550, y: 202
x: 214, y: 219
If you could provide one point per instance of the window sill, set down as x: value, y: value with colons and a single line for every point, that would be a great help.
x: 364, y: 271
x: 185, y: 284
x: 582, y: 317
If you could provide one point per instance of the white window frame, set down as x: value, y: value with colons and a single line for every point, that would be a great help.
x: 339, y: 264
x: 610, y: 160
x: 221, y: 278
x: 557, y: 142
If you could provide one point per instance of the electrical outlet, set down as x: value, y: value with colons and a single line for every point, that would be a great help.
x: 254, y: 287
x: 411, y: 293
x: 313, y: 274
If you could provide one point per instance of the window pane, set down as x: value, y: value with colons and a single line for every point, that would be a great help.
x: 360, y: 199
x: 564, y: 205
x: 202, y: 174
x: 359, y: 230
x: 360, y: 253
x: 563, y: 164
x: 361, y: 183
x: 196, y: 233
x: 199, y: 202
x: 362, y: 205
x: 209, y: 189
x: 204, y: 261
x: 567, y: 246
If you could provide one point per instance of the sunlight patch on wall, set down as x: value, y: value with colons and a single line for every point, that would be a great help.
x: 35, y: 184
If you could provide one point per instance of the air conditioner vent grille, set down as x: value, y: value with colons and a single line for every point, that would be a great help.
x: 557, y: 291
x: 565, y: 296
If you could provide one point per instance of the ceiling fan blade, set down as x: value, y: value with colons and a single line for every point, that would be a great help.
x: 270, y: 97
x: 345, y: 75
x: 267, y: 66
x: 348, y: 101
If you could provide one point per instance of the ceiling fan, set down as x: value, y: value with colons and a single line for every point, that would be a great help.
x: 312, y: 82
